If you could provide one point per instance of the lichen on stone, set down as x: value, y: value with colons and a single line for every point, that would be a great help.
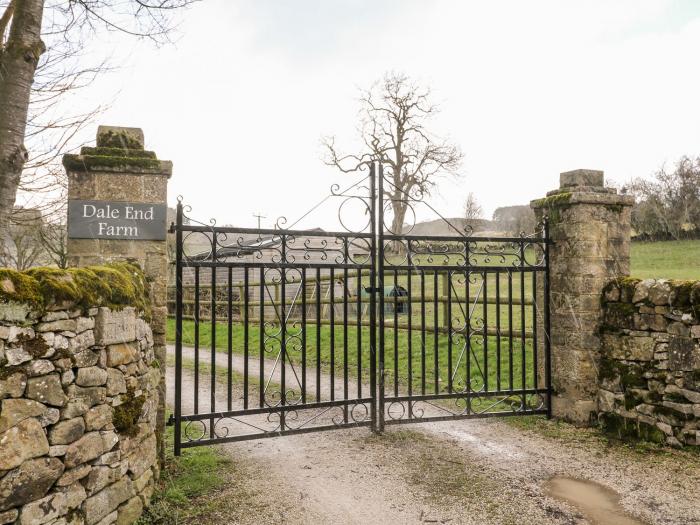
x: 114, y: 285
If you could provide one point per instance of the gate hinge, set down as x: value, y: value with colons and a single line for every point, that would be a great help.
x: 171, y: 421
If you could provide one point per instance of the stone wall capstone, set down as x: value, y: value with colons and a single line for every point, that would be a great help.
x: 78, y: 397
x: 649, y: 374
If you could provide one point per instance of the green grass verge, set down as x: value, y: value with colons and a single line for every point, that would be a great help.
x: 333, y: 357
x: 667, y: 259
x: 187, y: 485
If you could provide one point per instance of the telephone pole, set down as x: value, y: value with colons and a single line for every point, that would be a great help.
x: 259, y: 217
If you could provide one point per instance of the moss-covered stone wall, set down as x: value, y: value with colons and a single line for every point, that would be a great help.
x: 649, y: 373
x: 78, y: 396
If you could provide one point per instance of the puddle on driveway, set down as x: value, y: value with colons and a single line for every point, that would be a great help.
x: 599, y: 504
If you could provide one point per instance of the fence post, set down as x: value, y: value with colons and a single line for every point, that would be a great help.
x: 117, y: 172
x: 590, y: 229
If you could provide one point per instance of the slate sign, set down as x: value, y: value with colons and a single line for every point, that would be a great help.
x: 116, y: 220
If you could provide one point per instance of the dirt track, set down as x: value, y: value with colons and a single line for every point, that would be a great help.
x: 476, y: 471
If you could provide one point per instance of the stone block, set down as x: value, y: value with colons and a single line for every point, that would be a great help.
x: 90, y: 395
x: 92, y: 445
x: 74, y: 408
x: 71, y: 476
x: 14, y: 312
x: 61, y: 325
x: 84, y: 323
x: 85, y: 358
x: 46, y: 389
x: 30, y: 481
x: 81, y: 341
x: 682, y: 354
x: 16, y: 410
x: 98, y: 417
x: 130, y: 511
x: 113, y: 327
x: 581, y: 178
x: 39, y: 367
x: 120, y: 137
x: 67, y: 431
x: 680, y: 329
x: 107, y: 500
x: 91, y: 376
x: 116, y: 383
x: 13, y: 385
x: 121, y: 354
x: 22, y: 442
x: 16, y: 355
x: 143, y: 457
x: 9, y: 516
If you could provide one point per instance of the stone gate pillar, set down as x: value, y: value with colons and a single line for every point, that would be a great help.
x: 124, y: 220
x: 590, y: 229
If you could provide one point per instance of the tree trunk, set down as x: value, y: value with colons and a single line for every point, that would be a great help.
x: 18, y: 60
x: 399, y: 208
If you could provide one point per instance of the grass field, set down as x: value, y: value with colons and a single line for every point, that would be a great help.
x: 429, y: 370
x: 668, y: 259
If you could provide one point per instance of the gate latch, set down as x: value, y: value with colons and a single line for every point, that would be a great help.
x: 369, y: 289
x: 171, y: 421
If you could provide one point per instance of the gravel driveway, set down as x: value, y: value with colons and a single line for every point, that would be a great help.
x: 473, y: 471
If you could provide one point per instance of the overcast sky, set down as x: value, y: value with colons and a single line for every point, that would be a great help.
x: 527, y: 90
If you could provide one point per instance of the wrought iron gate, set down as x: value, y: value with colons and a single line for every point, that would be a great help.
x: 282, y: 331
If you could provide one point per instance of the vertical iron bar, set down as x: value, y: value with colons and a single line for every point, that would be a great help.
x: 486, y: 332
x: 372, y: 297
x: 303, y: 335
x: 246, y: 336
x: 212, y: 318
x: 178, y: 330
x: 422, y: 332
x: 468, y: 342
x: 381, y: 262
x: 448, y: 324
x: 358, y: 301
x: 535, y: 362
x: 345, y: 335
x: 331, y: 313
x: 318, y: 334
x: 196, y: 339
x: 396, y: 332
x: 510, y: 330
x: 261, y: 337
x: 523, y: 380
x: 410, y: 334
x: 283, y: 332
x: 498, y: 330
x: 436, y: 368
x: 229, y: 344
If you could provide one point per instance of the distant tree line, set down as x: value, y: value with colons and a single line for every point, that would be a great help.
x: 667, y: 206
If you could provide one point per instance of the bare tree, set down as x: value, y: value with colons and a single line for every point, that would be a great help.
x: 393, y: 126
x: 668, y: 207
x: 472, y: 208
x: 22, y: 248
x: 22, y: 45
x: 54, y: 240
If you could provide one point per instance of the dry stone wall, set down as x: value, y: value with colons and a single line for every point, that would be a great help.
x: 78, y: 399
x: 649, y: 374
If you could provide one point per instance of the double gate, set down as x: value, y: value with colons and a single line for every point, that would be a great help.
x: 282, y: 331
